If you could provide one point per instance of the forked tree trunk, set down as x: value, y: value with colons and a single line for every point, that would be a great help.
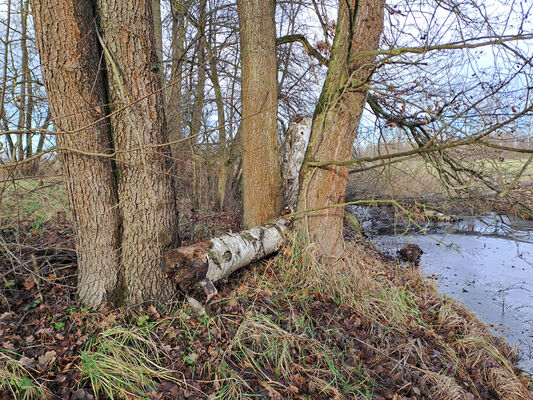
x: 262, y: 194
x: 336, y: 121
x: 145, y: 188
x: 123, y: 207
x: 76, y: 95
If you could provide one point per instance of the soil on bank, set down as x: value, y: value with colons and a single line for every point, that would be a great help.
x: 286, y: 328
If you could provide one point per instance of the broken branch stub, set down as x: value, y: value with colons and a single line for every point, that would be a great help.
x: 186, y: 265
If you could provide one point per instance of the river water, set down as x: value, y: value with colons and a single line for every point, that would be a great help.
x: 486, y: 263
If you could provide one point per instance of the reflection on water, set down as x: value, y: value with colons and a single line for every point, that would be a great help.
x: 486, y: 263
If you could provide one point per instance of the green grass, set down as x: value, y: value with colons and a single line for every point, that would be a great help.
x: 507, y: 168
x: 17, y: 379
x: 123, y: 362
x: 415, y: 179
x: 34, y: 201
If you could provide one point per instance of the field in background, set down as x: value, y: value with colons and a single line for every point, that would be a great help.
x: 31, y: 201
x: 416, y: 180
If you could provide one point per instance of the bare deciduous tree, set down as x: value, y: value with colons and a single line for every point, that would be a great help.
x: 336, y: 121
x: 262, y: 196
x: 115, y: 166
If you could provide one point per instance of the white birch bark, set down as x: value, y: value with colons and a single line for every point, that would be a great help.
x: 201, y: 264
x: 231, y: 252
x: 296, y: 146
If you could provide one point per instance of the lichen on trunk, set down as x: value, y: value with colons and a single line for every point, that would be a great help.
x: 296, y: 141
x: 336, y: 121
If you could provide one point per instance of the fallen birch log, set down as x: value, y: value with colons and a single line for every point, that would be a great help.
x: 208, y: 262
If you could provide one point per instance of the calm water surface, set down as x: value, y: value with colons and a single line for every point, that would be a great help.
x: 485, y: 263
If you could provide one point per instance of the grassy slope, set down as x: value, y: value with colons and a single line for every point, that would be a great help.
x: 30, y: 200
x: 289, y: 328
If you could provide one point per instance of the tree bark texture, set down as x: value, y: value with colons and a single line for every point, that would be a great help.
x: 22, y: 106
x: 27, y: 76
x: 174, y: 98
x: 336, y: 121
x: 222, y: 255
x: 145, y: 187
x: 262, y: 189
x: 124, y: 210
x: 158, y: 39
x: 74, y: 81
x: 296, y: 144
x: 198, y: 104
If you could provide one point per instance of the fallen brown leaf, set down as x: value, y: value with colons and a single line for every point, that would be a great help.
x: 29, y: 283
x: 46, y: 359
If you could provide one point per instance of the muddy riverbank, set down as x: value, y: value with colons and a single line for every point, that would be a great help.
x: 487, y: 263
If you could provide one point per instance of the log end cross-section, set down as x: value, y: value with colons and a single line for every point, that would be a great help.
x: 214, y: 260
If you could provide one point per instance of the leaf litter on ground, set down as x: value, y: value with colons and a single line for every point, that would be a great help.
x: 290, y: 327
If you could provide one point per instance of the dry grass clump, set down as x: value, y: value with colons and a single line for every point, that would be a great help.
x: 410, y: 340
x: 122, y: 362
x: 17, y: 380
x: 442, y: 387
x: 281, y: 358
x: 504, y: 382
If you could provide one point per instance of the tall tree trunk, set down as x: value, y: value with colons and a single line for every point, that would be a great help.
x: 174, y: 97
x: 21, y: 125
x: 27, y: 103
x: 3, y: 113
x: 222, y: 141
x: 145, y: 188
x: 198, y: 105
x: 262, y: 193
x: 336, y: 121
x: 29, y: 120
x: 76, y: 95
x: 158, y: 39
